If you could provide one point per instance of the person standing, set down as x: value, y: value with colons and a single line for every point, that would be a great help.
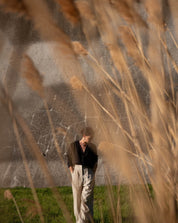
x: 82, y: 162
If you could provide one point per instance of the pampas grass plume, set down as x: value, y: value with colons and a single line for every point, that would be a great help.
x: 126, y: 10
x: 60, y: 130
x: 76, y: 83
x: 154, y: 12
x: 69, y: 10
x: 131, y: 45
x: 8, y: 195
x: 79, y: 49
x: 15, y: 6
x: 85, y: 11
x: 32, y: 75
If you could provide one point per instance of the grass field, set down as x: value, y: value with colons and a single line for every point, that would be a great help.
x: 105, y: 205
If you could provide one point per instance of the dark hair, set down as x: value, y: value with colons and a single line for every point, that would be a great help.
x: 87, y: 131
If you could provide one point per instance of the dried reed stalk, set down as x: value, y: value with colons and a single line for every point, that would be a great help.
x: 131, y: 121
x: 111, y: 198
x: 36, y: 150
x: 169, y: 54
x: 159, y: 131
x: 98, y: 68
x: 16, y: 131
x: 8, y: 195
x: 155, y: 79
x: 164, y: 202
x: 117, y: 56
x: 121, y: 65
x: 173, y: 38
x: 77, y: 84
x: 43, y: 164
x: 31, y: 209
x: 58, y: 149
x: 34, y: 79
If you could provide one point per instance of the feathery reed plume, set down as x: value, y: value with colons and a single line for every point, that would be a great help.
x: 62, y: 50
x: 79, y: 49
x: 85, y: 11
x: 154, y: 11
x: 131, y: 45
x: 32, y: 76
x: 69, y: 10
x: 40, y: 15
x: 8, y: 195
x: 127, y: 11
x: 89, y: 23
x: 109, y: 38
x: 111, y: 198
x: 60, y: 130
x: 15, y: 6
x: 76, y: 83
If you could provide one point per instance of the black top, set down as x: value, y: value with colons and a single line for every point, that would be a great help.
x: 75, y: 155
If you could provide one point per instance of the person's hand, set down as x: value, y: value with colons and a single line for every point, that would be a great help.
x: 71, y: 169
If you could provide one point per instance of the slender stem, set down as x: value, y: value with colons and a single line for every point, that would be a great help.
x: 18, y: 211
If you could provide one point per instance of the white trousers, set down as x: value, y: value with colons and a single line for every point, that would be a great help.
x: 82, y: 188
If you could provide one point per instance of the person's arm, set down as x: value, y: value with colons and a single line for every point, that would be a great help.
x: 95, y: 157
x: 95, y: 167
x: 71, y: 169
x: 69, y: 160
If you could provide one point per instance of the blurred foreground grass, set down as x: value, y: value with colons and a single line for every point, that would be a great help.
x: 103, y: 204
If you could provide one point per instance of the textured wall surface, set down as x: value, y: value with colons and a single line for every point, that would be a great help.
x: 18, y: 37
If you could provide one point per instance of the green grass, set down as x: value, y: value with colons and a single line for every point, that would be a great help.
x: 51, y: 211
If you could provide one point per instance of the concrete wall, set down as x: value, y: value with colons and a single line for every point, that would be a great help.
x: 18, y: 36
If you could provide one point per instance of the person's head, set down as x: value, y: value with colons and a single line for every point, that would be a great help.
x: 87, y: 134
